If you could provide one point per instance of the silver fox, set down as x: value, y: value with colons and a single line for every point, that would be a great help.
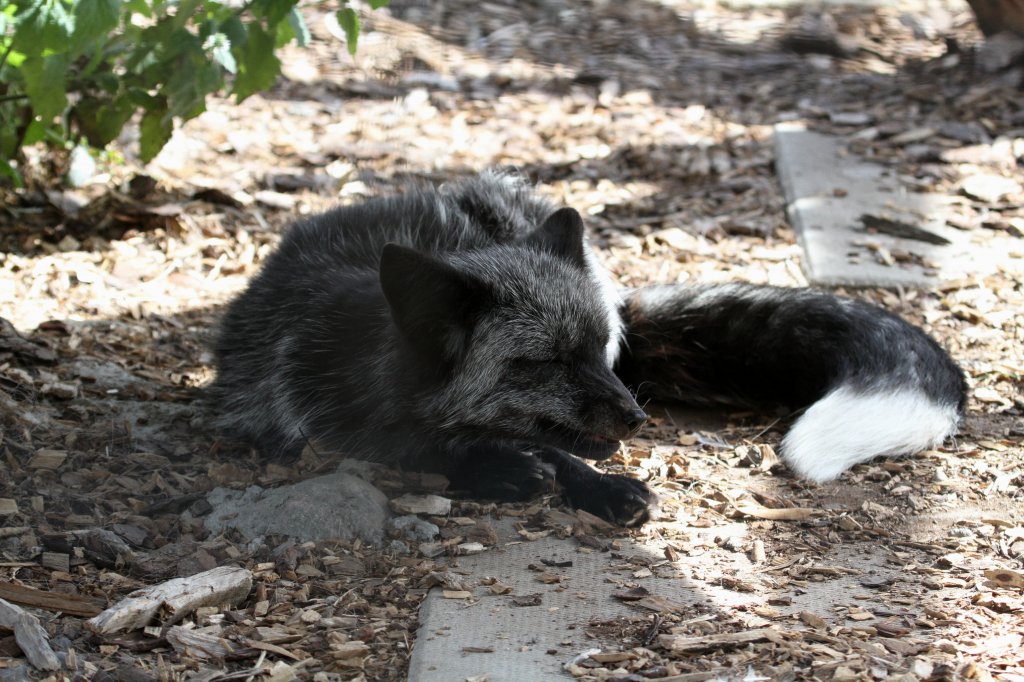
x: 470, y: 330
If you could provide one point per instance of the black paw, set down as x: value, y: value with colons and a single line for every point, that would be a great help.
x: 618, y: 499
x: 509, y: 476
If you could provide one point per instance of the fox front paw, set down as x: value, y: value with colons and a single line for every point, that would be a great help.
x: 618, y: 499
x: 505, y: 476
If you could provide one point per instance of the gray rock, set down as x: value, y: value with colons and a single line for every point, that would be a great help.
x: 333, y: 507
x: 81, y: 167
x: 398, y: 547
x: 1000, y: 51
x: 415, y: 528
x: 106, y: 375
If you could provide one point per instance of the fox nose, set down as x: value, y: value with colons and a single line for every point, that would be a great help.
x: 634, y: 419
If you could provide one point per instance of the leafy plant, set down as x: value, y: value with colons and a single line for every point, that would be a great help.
x: 79, y: 70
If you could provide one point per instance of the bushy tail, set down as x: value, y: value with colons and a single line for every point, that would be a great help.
x: 872, y: 384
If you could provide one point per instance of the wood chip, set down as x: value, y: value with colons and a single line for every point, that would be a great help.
x: 175, y: 599
x: 70, y: 604
x: 199, y: 645
x: 750, y: 508
x: 527, y: 600
x: 1004, y: 577
x: 30, y: 635
x: 681, y: 643
x: 662, y: 604
x: 48, y: 459
x: 429, y: 505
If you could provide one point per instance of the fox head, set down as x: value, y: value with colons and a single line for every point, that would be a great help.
x: 512, y: 340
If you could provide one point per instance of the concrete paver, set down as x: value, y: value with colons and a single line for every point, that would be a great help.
x: 828, y: 192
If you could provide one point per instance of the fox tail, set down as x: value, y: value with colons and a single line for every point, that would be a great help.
x: 867, y: 382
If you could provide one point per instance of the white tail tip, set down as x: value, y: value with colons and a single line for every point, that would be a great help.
x: 848, y: 427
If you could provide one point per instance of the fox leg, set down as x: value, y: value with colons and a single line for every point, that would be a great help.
x: 501, y: 472
x: 497, y: 472
x: 619, y: 499
x: 872, y: 384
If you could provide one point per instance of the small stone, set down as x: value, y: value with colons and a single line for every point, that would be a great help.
x: 1000, y: 51
x: 415, y: 528
x: 971, y: 133
x: 331, y: 507
x: 471, y: 548
x: 81, y: 167
x: 68, y: 244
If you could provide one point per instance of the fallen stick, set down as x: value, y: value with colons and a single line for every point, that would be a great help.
x: 71, y: 604
x: 30, y: 636
x: 174, y: 599
x: 681, y: 643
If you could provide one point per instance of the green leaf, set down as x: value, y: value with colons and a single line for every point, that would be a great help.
x: 257, y: 66
x: 94, y: 19
x: 349, y: 22
x: 298, y: 24
x: 273, y: 10
x: 101, y: 121
x: 188, y: 87
x: 45, y: 85
x: 377, y: 4
x: 156, y: 129
x: 35, y: 132
x: 234, y: 29
x: 139, y: 7
x: 7, y: 171
x: 46, y: 25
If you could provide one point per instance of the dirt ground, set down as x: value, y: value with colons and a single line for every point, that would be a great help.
x: 655, y: 121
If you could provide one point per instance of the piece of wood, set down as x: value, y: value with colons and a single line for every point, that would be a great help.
x: 750, y: 508
x: 71, y: 604
x: 48, y: 459
x: 57, y: 561
x: 30, y: 636
x: 101, y: 546
x: 11, y: 531
x: 175, y: 599
x: 199, y: 645
x: 681, y: 643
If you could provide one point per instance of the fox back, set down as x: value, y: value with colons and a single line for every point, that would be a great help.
x: 432, y: 320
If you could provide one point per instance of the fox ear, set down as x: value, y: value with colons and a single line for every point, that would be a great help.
x: 562, y: 235
x: 432, y: 303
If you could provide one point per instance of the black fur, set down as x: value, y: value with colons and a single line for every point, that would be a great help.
x: 745, y: 345
x: 469, y: 331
